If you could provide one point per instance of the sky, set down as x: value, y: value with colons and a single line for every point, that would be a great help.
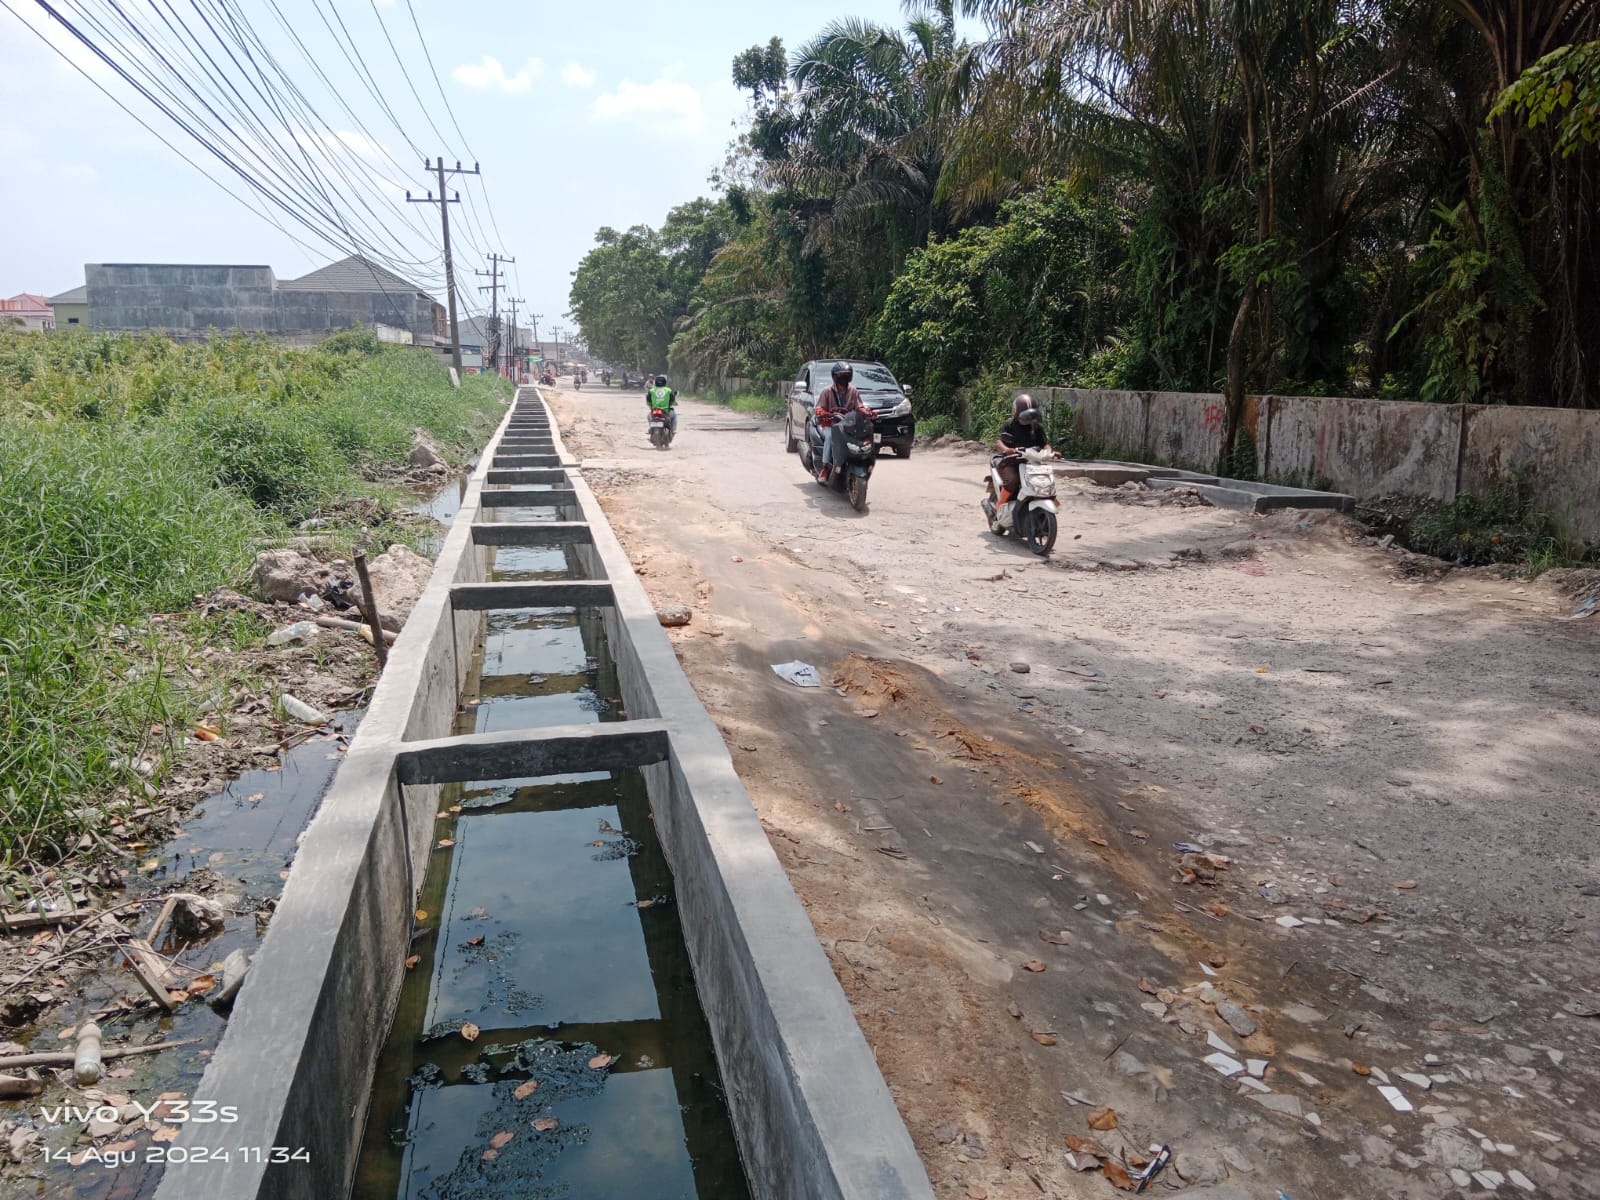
x: 579, y: 115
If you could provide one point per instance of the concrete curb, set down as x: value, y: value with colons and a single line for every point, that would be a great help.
x: 810, y: 1109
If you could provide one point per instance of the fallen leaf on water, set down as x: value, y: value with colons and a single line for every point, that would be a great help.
x: 545, y: 1124
x: 255, y: 796
x: 600, y: 1061
x: 165, y: 1133
x: 469, y: 1031
x: 413, y: 961
x: 524, y: 1090
x: 1361, y: 1068
x: 150, y: 864
x: 1102, y: 1120
x: 1406, y: 885
x: 490, y: 1155
x: 1044, y: 1039
x: 1117, y: 1175
x: 477, y: 941
x: 422, y: 914
x: 201, y: 984
x: 1034, y: 965
x: 643, y: 903
x: 501, y: 1138
x: 446, y: 843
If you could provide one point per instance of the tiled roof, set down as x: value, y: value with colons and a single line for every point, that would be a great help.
x: 353, y: 274
x: 25, y: 302
x: 77, y: 295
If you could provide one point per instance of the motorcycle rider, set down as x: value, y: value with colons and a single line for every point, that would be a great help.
x: 836, y: 400
x: 1025, y: 431
x: 661, y: 397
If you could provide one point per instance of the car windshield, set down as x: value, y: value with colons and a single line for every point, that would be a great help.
x: 873, y: 377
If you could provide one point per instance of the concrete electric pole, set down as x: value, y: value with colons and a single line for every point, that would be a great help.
x: 511, y: 354
x: 444, y: 202
x: 493, y: 288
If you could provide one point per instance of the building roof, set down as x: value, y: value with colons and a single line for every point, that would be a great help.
x: 352, y: 274
x: 25, y: 302
x: 77, y: 295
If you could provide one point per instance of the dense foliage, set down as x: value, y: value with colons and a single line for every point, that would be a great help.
x: 136, y: 473
x: 1369, y: 197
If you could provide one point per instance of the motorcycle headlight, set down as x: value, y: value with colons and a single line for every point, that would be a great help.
x: 903, y: 409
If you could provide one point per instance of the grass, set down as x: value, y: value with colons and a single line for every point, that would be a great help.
x: 756, y: 404
x: 135, y: 474
x: 1504, y: 525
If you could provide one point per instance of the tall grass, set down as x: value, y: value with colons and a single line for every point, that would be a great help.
x: 136, y: 473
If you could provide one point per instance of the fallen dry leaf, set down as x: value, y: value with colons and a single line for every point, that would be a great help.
x: 1405, y: 885
x: 413, y: 960
x: 1103, y: 1120
x: 524, y: 1090
x: 1044, y: 1039
x: 1361, y: 1068
x: 934, y: 779
x: 600, y: 1062
x: 974, y: 1192
x: 1117, y: 1175
x: 165, y: 1133
x: 119, y: 1073
x: 1147, y: 987
x: 477, y: 941
x: 1055, y: 939
x: 1083, y: 1145
x: 201, y: 984
x: 469, y: 1031
x: 545, y: 1124
x: 422, y: 914
x: 177, y: 997
x: 501, y: 1138
x: 446, y: 843
x: 1034, y: 965
x: 490, y: 1155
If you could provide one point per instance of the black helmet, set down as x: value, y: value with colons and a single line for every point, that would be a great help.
x: 1022, y: 409
x: 842, y: 373
x: 661, y: 381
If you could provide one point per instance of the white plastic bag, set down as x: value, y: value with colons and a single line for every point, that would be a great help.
x: 798, y: 673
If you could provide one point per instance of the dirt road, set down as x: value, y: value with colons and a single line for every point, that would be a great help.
x: 981, y: 818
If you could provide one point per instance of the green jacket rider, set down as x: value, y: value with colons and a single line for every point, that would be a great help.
x: 664, y: 398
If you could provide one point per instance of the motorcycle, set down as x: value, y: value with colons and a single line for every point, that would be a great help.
x: 661, y: 431
x: 860, y: 440
x: 1031, y: 515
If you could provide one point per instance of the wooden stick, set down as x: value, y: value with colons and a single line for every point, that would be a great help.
x: 369, y: 606
x: 64, y: 1058
x: 151, y: 970
x: 389, y: 635
x: 14, y: 1087
x: 21, y: 922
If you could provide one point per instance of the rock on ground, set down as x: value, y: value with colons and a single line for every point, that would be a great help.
x: 399, y: 576
x: 286, y: 575
x: 424, y: 453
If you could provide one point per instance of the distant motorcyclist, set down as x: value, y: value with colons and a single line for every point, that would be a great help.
x: 836, y: 400
x: 662, y: 398
x: 1025, y: 431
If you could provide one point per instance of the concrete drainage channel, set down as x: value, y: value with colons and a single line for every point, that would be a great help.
x: 807, y: 1107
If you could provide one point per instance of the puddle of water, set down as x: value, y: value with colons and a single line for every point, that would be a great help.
x: 245, y: 833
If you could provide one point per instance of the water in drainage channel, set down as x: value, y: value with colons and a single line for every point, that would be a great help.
x: 550, y: 928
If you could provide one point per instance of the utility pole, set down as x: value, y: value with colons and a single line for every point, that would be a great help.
x: 533, y: 319
x: 493, y: 288
x: 444, y: 202
x: 511, y: 354
x: 559, y: 330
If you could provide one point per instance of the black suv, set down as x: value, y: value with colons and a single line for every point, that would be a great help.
x: 894, y: 424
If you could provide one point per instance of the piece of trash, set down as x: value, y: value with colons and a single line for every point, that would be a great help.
x: 301, y: 711
x: 300, y: 631
x: 1396, y: 1098
x: 1217, y: 1043
x: 1143, y: 1178
x: 1290, y: 922
x: 86, y: 1063
x: 1256, y: 1066
x: 798, y: 673
x: 234, y: 969
x: 1222, y: 1064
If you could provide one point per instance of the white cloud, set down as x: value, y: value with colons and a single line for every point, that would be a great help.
x: 577, y: 76
x: 490, y: 74
x: 667, y: 104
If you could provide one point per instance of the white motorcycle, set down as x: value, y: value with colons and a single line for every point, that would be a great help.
x: 1031, y: 514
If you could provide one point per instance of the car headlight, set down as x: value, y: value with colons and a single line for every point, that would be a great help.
x: 903, y: 409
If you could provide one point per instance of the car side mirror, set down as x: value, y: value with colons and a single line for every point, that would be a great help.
x: 799, y: 385
x: 905, y: 390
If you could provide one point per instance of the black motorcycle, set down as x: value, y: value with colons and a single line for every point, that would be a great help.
x: 860, y: 440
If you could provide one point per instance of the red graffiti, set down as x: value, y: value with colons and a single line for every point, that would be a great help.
x: 1213, y: 416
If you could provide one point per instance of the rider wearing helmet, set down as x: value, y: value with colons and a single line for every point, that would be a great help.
x: 1025, y: 431
x: 664, y: 398
x: 836, y: 400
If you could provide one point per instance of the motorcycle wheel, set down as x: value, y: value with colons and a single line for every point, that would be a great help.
x: 1039, y: 529
x: 655, y: 436
x: 858, y: 493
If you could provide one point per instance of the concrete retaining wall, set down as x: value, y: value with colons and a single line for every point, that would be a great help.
x: 812, y: 1114
x: 1366, y: 448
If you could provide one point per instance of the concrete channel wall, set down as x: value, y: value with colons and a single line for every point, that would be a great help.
x: 812, y: 1114
x: 1364, y: 448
